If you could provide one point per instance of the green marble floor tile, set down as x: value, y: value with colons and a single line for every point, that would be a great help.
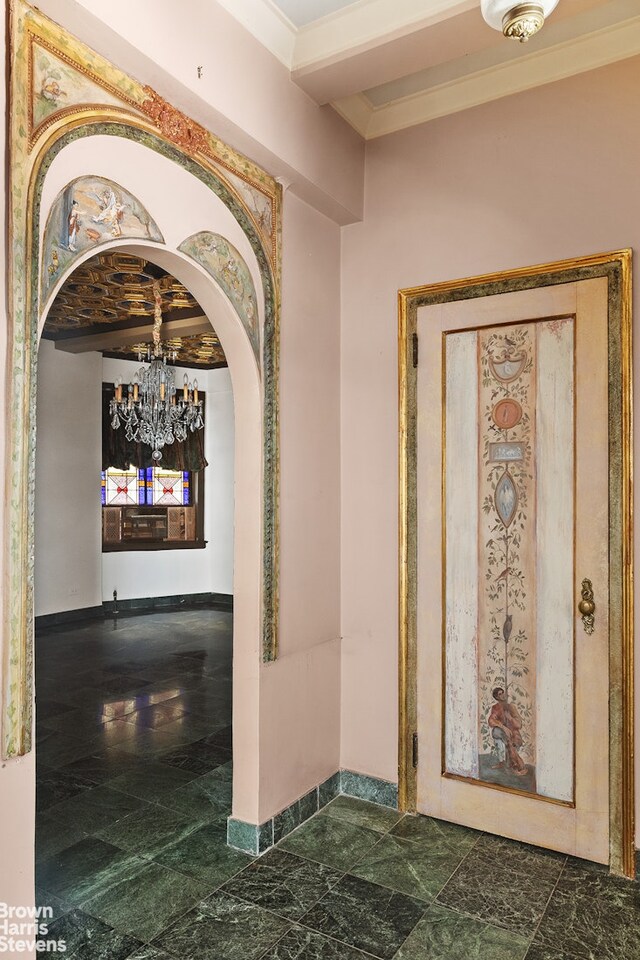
x: 151, y: 743
x: 144, y: 904
x: 362, y: 813
x: 365, y: 916
x: 87, y: 938
x: 283, y: 883
x: 111, y: 734
x: 47, y: 709
x: 199, y: 757
x: 96, y: 809
x: 445, y: 935
x: 436, y: 834
x: 57, y: 906
x: 158, y: 714
x: 330, y: 841
x: 149, y: 831
x: 578, y: 881
x: 589, y: 928
x: 223, y: 772
x: 223, y: 928
x: 55, y: 785
x: 151, y: 781
x: 60, y: 749
x: 542, y: 953
x: 498, y: 852
x: 302, y: 944
x: 54, y: 833
x: 409, y: 867
x: 208, y: 796
x: 148, y: 952
x: 204, y: 854
x: 102, y: 766
x: 86, y: 869
x: 499, y: 895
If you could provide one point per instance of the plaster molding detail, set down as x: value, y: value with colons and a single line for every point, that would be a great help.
x: 579, y: 55
x: 173, y: 124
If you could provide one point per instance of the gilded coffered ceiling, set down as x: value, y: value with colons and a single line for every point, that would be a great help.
x: 107, y: 305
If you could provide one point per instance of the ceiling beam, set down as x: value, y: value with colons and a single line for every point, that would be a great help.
x: 187, y: 327
x: 607, y: 43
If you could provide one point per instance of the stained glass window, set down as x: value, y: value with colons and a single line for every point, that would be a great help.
x: 167, y: 487
x: 123, y: 487
x: 152, y: 486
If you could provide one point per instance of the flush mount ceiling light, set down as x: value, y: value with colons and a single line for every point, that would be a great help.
x: 519, y: 21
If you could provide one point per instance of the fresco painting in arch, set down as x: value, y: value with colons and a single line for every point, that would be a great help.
x: 227, y: 267
x: 58, y: 86
x: 61, y: 90
x: 499, y: 653
x: 88, y: 212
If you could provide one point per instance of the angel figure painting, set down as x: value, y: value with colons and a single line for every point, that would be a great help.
x: 88, y: 212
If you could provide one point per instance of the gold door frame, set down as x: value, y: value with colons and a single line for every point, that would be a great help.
x: 616, y: 266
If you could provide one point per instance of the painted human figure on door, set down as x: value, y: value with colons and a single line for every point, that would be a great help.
x: 505, y: 724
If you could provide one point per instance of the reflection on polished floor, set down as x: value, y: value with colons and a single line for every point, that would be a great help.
x: 134, y: 787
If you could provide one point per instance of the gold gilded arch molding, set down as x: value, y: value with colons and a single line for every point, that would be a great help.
x: 60, y: 91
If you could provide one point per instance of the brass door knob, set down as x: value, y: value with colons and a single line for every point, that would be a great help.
x: 587, y: 606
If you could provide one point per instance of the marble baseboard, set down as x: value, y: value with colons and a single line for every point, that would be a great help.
x: 125, y: 608
x: 257, y: 839
x: 214, y: 601
x: 48, y: 620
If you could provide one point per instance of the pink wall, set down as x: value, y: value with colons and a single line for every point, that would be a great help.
x: 300, y: 693
x: 540, y: 176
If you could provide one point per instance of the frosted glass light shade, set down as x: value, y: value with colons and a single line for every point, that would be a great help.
x: 496, y: 12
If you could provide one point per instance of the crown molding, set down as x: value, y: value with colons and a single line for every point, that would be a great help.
x: 268, y: 24
x: 366, y: 24
x: 567, y: 59
x: 358, y: 111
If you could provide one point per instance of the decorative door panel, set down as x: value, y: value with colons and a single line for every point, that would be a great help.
x: 512, y: 692
x: 509, y: 548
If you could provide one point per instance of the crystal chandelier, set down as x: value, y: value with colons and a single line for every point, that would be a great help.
x: 152, y: 411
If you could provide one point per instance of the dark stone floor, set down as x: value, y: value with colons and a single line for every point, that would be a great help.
x: 134, y: 787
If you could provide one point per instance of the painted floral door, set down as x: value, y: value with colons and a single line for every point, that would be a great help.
x: 512, y: 686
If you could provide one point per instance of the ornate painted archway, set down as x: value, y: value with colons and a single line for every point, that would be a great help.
x: 61, y: 91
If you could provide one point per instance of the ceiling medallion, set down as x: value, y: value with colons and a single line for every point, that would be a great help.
x: 517, y: 21
x: 523, y: 21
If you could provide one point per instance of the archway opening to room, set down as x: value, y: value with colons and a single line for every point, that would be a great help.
x: 134, y: 571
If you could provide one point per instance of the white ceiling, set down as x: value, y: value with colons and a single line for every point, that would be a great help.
x: 385, y: 65
x: 303, y: 12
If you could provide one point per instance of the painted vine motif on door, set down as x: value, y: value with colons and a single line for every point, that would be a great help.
x: 508, y: 704
x: 507, y: 494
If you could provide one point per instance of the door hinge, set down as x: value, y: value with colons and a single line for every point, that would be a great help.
x: 415, y: 750
x: 415, y: 349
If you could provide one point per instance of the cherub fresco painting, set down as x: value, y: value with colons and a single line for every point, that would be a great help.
x: 88, y: 212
